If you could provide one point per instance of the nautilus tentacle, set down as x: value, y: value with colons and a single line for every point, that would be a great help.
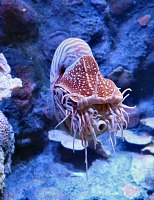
x: 85, y: 103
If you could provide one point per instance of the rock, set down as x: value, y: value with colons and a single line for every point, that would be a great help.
x: 149, y: 62
x: 73, y: 2
x: 23, y: 97
x: 19, y: 18
x: 146, y: 108
x: 26, y: 118
x: 142, y: 170
x: 24, y: 142
x: 151, y: 195
x: 118, y: 7
x: 52, y: 41
x: 132, y: 138
x: 90, y: 25
x: 144, y: 20
x: 100, y: 151
x: 99, y: 4
x: 134, y: 117
x: 6, y: 149
x: 149, y: 148
x: 121, y: 77
x: 148, y: 122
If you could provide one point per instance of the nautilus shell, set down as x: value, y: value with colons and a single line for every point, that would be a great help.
x: 85, y: 103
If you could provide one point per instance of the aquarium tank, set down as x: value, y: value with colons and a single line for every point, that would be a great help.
x: 76, y: 100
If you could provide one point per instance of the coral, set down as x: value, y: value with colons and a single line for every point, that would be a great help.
x: 7, y: 83
x: 2, y: 175
x: 6, y: 138
x: 6, y: 149
x: 131, y: 191
x: 142, y: 171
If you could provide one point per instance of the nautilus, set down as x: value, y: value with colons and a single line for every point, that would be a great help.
x: 85, y: 103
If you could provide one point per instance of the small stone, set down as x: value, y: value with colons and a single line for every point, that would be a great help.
x: 121, y: 77
x: 118, y: 7
x: 142, y: 170
x: 148, y: 122
x: 144, y: 20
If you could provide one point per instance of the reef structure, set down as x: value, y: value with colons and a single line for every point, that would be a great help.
x: 7, y: 85
x: 6, y: 149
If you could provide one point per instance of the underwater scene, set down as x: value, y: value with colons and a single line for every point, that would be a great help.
x: 76, y: 100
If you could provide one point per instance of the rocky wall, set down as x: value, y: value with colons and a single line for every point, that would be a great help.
x: 120, y: 34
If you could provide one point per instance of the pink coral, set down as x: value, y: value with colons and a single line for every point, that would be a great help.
x: 131, y: 191
x: 144, y: 20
